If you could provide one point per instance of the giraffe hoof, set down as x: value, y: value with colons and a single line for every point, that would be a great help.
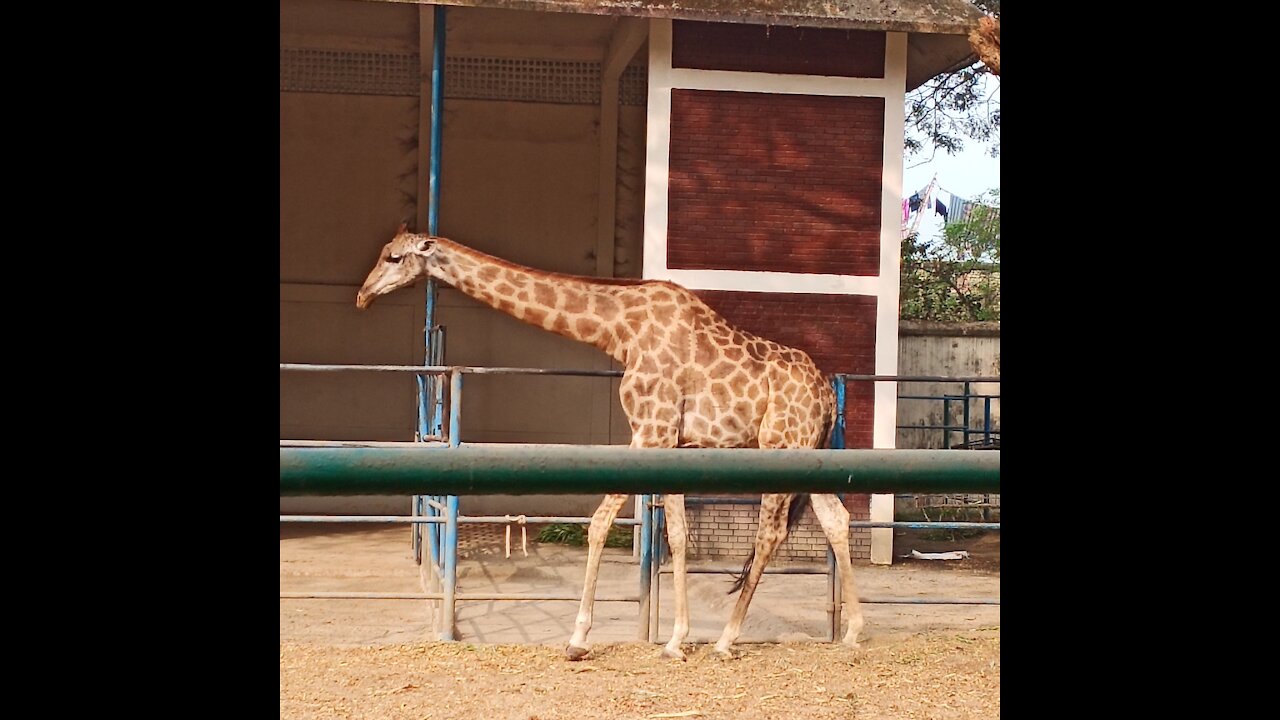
x: 575, y: 653
x: 670, y: 654
x: 725, y: 654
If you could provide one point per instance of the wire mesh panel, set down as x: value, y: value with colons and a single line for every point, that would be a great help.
x: 536, y: 80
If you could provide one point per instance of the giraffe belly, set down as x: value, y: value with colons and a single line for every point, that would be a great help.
x: 710, y: 428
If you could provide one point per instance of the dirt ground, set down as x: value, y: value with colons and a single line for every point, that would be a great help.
x: 377, y: 658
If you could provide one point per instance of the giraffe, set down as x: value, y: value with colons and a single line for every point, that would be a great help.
x: 690, y: 379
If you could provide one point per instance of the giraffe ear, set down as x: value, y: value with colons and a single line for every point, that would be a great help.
x: 425, y: 245
x: 403, y: 228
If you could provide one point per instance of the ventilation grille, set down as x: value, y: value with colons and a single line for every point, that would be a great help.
x: 465, y: 78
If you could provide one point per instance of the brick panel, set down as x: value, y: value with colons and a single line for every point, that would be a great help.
x: 727, y: 532
x: 777, y: 49
x: 784, y: 183
x: 838, y: 332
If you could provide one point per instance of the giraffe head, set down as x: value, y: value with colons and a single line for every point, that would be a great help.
x: 402, y: 262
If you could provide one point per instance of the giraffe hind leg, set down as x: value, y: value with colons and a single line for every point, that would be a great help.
x: 834, y: 519
x: 771, y: 534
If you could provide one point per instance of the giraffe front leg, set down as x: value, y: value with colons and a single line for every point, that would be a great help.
x: 677, y: 538
x: 772, y: 532
x: 835, y: 523
x: 601, y: 521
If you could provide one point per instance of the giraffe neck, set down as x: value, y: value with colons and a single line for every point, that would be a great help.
x: 581, y: 308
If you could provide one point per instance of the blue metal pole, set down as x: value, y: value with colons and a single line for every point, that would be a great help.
x: 966, y: 415
x: 425, y: 418
x: 646, y: 564
x: 451, y: 515
x: 986, y: 421
x: 946, y: 422
x: 837, y: 443
x: 837, y: 432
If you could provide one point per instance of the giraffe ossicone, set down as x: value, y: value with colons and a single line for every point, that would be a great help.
x: 690, y: 379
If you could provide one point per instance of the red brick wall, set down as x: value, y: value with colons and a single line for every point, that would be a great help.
x: 777, y: 49
x: 838, y: 332
x: 786, y: 183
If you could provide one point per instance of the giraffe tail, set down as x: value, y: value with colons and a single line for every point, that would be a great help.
x: 798, y: 501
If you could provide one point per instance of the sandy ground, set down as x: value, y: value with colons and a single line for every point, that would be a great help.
x: 378, y: 658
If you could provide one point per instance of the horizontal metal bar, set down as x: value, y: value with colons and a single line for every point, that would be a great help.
x: 483, y: 469
x: 514, y: 597
x: 478, y: 370
x: 927, y: 525
x: 703, y: 500
x: 929, y: 601
x: 481, y: 519
x: 445, y: 369
x: 540, y: 519
x: 520, y: 597
x: 954, y: 398
x: 732, y: 569
x: 362, y: 518
x: 915, y: 378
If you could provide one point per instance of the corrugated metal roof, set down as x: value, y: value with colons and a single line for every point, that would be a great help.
x: 937, y: 30
x: 947, y: 17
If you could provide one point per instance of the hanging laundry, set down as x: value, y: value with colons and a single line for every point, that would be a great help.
x: 941, y: 209
x: 906, y: 210
x: 914, y: 202
x: 960, y: 209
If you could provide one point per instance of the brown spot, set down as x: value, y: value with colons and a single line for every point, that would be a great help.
x: 666, y: 393
x: 587, y: 328
x: 607, y: 308
x: 575, y: 302
x: 705, y: 353
x: 663, y: 296
x: 515, y: 278
x: 535, y: 315
x: 504, y: 289
x: 731, y: 423
x: 544, y: 294
x: 637, y: 318
x: 663, y: 313
x: 633, y: 300
x: 720, y: 395
x: 505, y: 305
x: 722, y: 370
x: 665, y: 414
x: 733, y: 352
x: 756, y: 350
x: 706, y: 408
x: 647, y: 365
x: 523, y: 296
x: 560, y: 324
x: 623, y: 333
x: 488, y: 273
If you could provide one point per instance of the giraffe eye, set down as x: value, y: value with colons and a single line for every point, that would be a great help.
x: 394, y: 258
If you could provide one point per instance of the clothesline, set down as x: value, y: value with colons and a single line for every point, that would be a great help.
x: 923, y: 200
